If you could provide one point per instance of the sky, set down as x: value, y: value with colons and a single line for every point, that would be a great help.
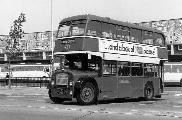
x: 38, y: 12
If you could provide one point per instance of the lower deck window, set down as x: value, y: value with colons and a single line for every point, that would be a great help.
x: 151, y: 70
x: 137, y: 69
x: 109, y: 68
x: 123, y: 68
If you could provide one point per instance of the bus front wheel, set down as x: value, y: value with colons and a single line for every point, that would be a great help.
x: 87, y: 94
x: 148, y: 92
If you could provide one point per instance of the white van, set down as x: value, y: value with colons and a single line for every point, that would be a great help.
x: 173, y: 73
x: 26, y: 70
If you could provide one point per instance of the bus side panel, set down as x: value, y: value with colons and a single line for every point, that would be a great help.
x: 91, y: 44
x: 156, y: 86
x: 137, y: 86
x: 100, y: 88
x: 124, y: 87
x: 109, y: 89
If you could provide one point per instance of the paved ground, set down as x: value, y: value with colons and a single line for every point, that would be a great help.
x: 22, y: 90
x: 35, y: 98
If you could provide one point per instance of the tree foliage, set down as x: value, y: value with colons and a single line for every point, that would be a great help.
x: 15, y: 34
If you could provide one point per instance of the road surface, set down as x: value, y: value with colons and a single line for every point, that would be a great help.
x: 35, y: 106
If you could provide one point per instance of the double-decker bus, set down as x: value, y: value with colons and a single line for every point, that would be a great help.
x: 173, y: 73
x: 101, y: 58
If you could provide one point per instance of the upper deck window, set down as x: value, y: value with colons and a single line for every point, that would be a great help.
x: 63, y: 29
x: 148, y: 38
x: 78, y: 27
x: 94, y: 28
x: 135, y: 35
x: 108, y: 30
x: 122, y: 33
x: 101, y: 29
x: 159, y: 39
x: 69, y: 28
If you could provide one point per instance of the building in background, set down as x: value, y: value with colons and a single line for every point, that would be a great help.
x: 37, y: 46
x: 173, y: 31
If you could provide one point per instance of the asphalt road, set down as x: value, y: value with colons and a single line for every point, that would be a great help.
x: 39, y: 107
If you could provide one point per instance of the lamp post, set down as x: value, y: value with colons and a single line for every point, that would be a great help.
x: 9, y: 69
x: 52, y: 38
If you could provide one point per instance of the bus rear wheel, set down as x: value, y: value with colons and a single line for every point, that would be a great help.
x: 87, y: 94
x: 180, y: 83
x: 148, y: 92
x: 55, y: 99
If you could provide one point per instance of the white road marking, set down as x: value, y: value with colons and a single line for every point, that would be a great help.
x: 128, y: 113
x: 40, y: 100
x: 42, y: 107
x: 178, y: 95
x: 29, y: 106
x: 177, y: 106
x: 15, y: 96
x: 10, y: 105
x: 56, y: 108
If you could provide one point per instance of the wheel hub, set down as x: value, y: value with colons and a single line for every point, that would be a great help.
x: 87, y: 94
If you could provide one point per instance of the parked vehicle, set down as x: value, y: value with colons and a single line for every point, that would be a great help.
x: 26, y: 70
x: 173, y: 73
x: 101, y: 58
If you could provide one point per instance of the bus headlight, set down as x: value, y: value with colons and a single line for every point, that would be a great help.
x: 71, y: 83
x: 52, y: 82
x: 62, y: 79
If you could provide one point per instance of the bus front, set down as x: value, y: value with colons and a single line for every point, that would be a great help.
x: 76, y: 65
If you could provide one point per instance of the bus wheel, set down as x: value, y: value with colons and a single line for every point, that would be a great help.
x: 180, y: 83
x: 55, y: 99
x: 148, y: 92
x: 87, y: 94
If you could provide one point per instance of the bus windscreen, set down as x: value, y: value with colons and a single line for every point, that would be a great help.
x: 76, y: 27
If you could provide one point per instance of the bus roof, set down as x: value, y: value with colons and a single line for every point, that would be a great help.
x: 108, y: 20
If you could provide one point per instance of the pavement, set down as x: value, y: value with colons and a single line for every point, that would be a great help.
x: 23, y: 90
x: 43, y: 91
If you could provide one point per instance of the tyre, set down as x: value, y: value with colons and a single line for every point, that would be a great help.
x: 180, y: 83
x: 148, y: 92
x: 87, y: 94
x: 55, y: 99
x: 158, y: 96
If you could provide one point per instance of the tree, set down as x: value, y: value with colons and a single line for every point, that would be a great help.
x: 13, y: 47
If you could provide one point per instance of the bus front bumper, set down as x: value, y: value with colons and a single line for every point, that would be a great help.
x: 60, y: 92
